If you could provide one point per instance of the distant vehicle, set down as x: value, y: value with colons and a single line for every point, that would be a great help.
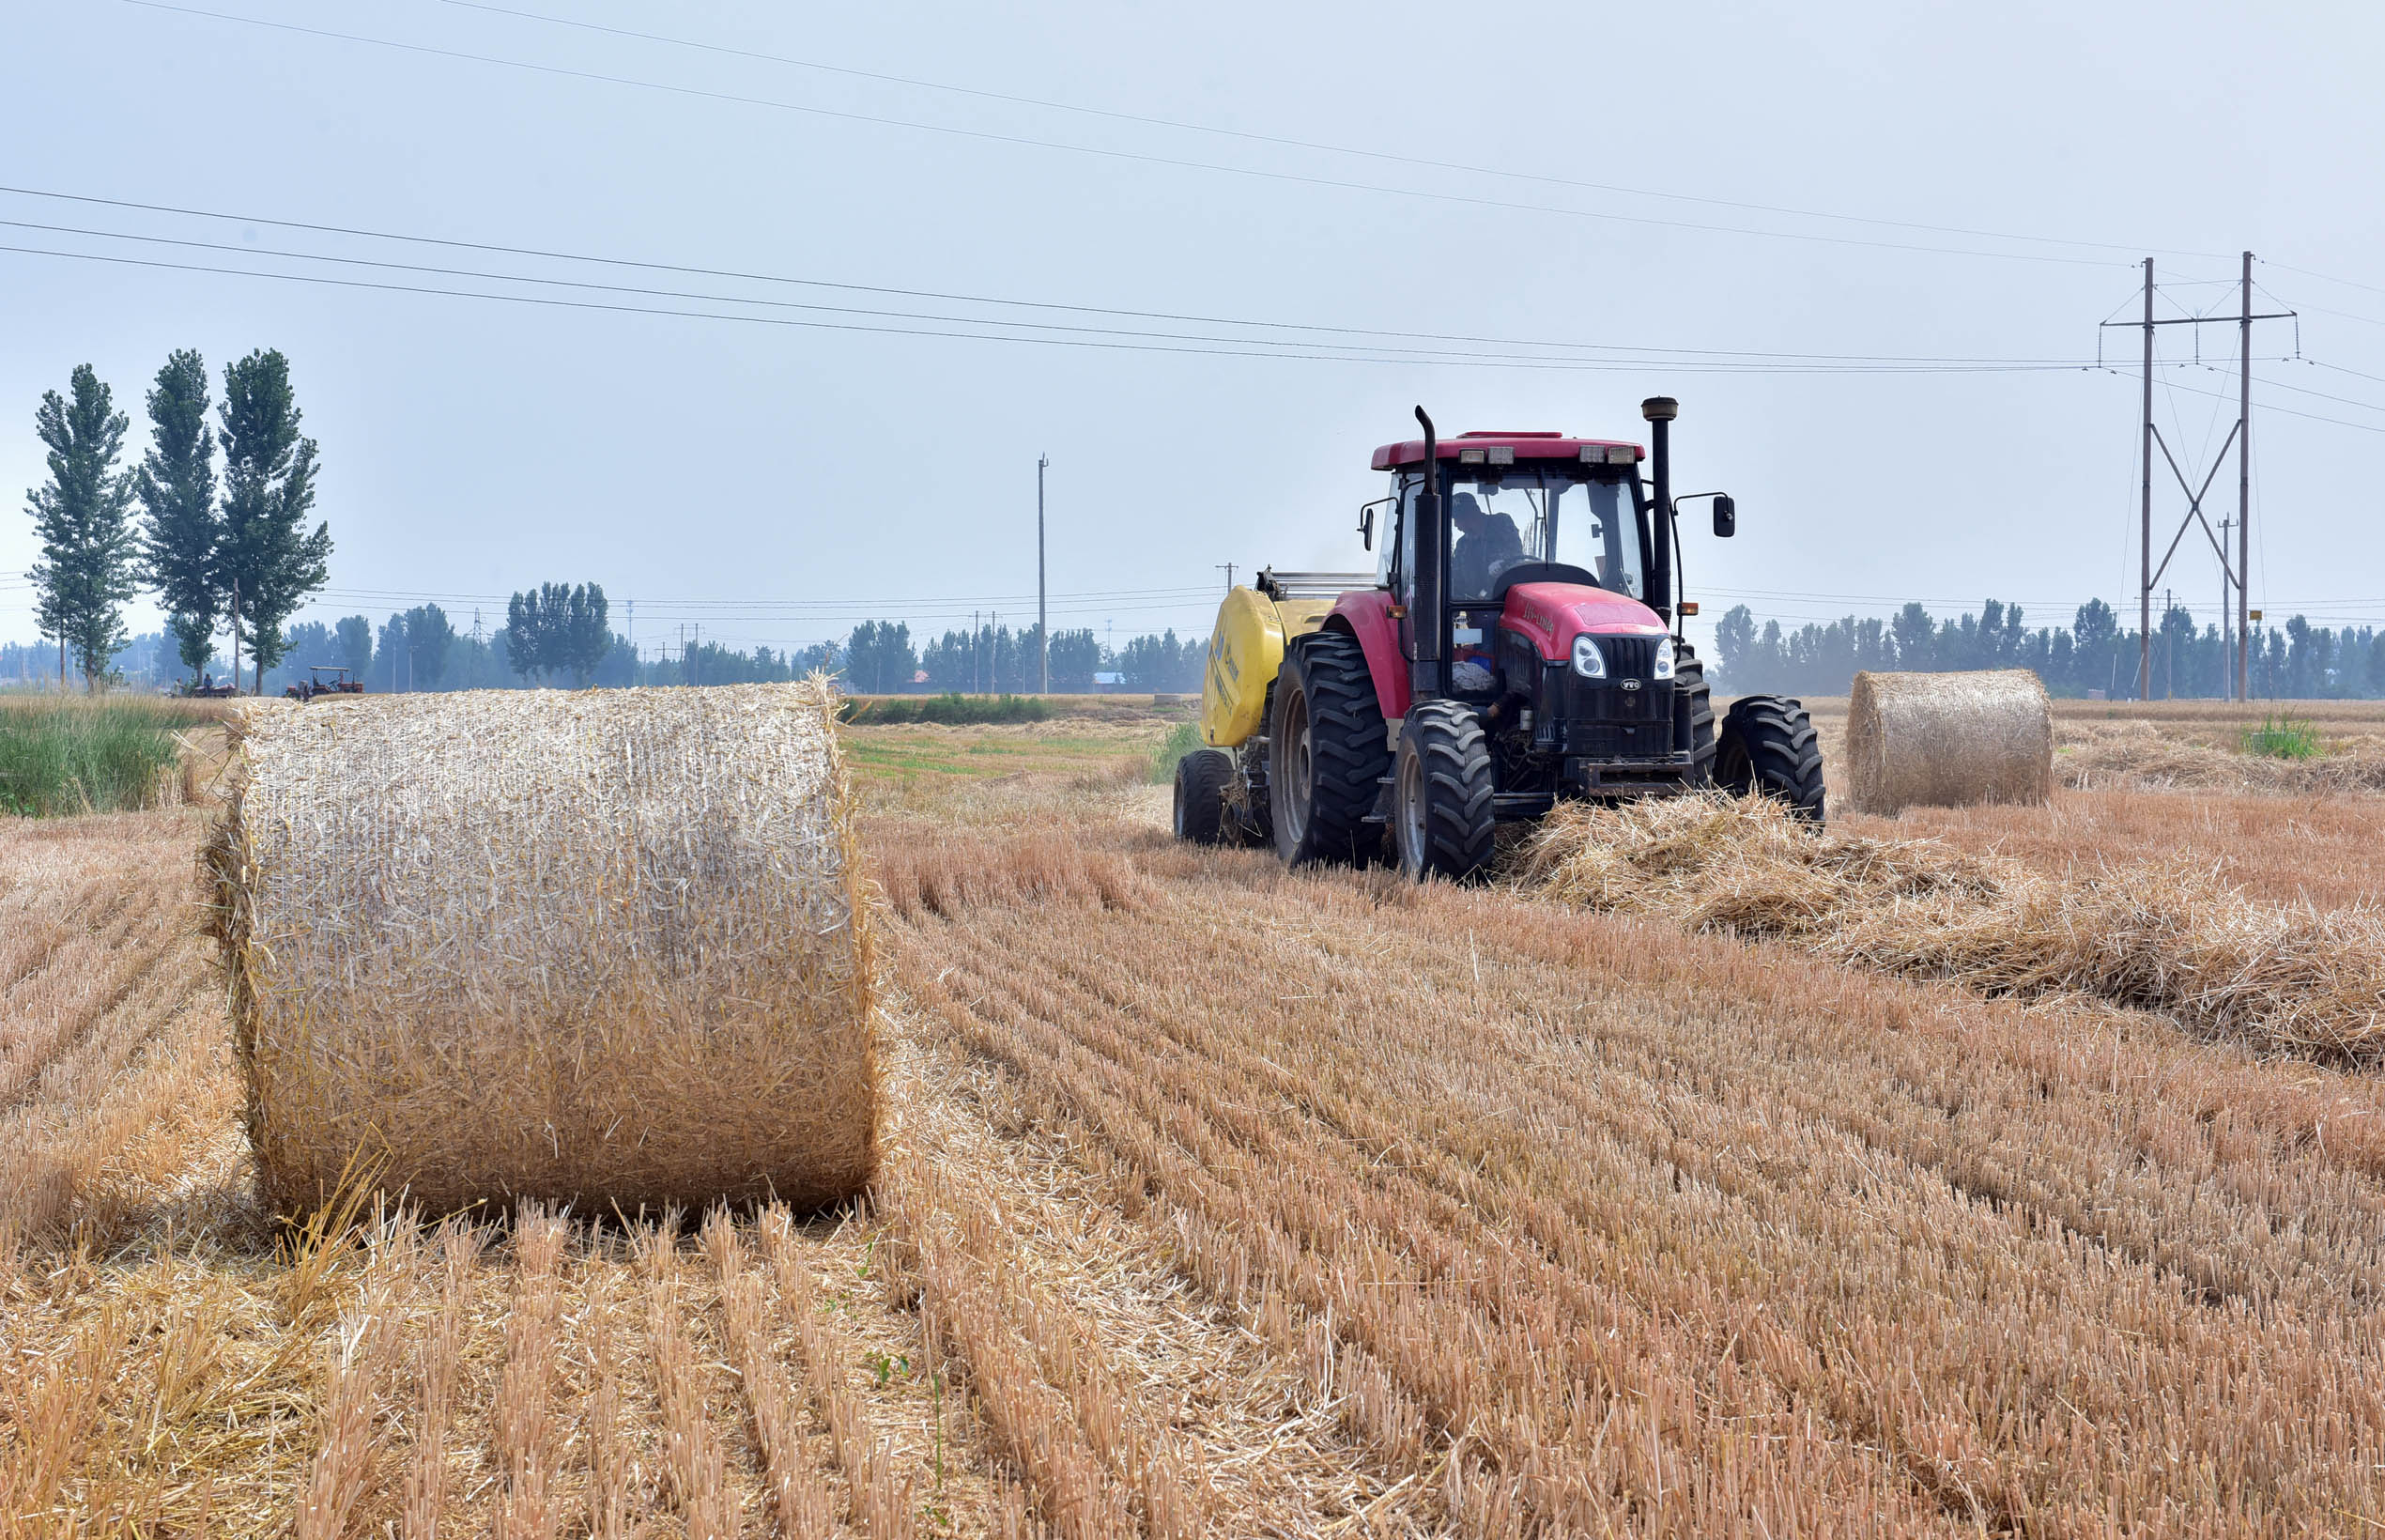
x: 208, y: 689
x: 323, y: 679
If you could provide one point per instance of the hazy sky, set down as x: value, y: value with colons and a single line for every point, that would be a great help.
x: 780, y: 475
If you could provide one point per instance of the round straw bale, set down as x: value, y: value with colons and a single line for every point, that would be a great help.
x: 604, y: 948
x: 1948, y: 740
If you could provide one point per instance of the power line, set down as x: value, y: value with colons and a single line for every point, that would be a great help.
x: 1389, y: 354
x: 1100, y: 151
x: 1238, y: 347
x: 1194, y: 318
x: 1286, y: 141
x: 2189, y: 390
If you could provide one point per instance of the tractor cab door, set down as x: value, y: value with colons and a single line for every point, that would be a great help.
x: 1400, y: 559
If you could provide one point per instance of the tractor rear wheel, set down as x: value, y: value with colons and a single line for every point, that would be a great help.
x: 1326, y: 755
x: 1443, y: 796
x: 1693, y: 715
x: 1200, y: 796
x: 1766, y: 747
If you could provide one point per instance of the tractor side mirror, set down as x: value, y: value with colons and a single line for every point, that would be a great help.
x: 1366, y: 525
x: 1726, y: 517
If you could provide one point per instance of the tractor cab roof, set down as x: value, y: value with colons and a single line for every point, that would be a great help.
x: 1510, y: 449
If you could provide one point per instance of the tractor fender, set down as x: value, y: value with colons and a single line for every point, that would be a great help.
x: 1366, y: 614
x: 1551, y: 615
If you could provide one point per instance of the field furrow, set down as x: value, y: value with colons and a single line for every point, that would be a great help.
x: 1954, y: 1291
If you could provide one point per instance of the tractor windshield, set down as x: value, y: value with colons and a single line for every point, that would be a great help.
x: 1501, y: 515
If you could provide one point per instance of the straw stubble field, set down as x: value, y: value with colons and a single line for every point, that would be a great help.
x: 1221, y: 1200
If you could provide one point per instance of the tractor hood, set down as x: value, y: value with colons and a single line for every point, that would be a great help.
x: 1553, y: 614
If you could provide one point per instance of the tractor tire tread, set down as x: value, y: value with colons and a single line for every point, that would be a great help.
x: 1771, y: 750
x: 1348, y: 749
x: 1695, y: 709
x: 1460, y: 818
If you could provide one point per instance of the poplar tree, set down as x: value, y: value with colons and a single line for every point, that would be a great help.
x: 269, y: 562
x: 84, y: 519
x: 176, y: 482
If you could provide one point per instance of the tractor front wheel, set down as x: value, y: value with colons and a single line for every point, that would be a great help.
x: 1766, y: 747
x: 1442, y: 795
x: 1200, y: 796
x: 1326, y: 758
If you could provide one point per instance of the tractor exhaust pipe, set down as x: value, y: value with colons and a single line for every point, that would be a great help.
x: 1427, y: 620
x: 1660, y: 410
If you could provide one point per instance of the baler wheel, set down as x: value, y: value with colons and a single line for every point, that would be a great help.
x: 1201, y: 777
x: 1766, y: 747
x: 1443, y: 798
x: 1326, y: 753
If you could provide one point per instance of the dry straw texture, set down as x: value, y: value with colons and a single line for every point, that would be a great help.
x: 1948, y: 740
x: 2164, y: 938
x: 601, y: 948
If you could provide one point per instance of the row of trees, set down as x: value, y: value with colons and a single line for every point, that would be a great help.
x: 2095, y: 653
x: 558, y: 633
x: 994, y: 659
x: 229, y: 554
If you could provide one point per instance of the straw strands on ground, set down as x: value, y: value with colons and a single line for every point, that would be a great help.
x: 2164, y: 938
x: 1946, y: 740
x: 605, y: 949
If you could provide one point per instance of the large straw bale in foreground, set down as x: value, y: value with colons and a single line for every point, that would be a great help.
x: 1948, y: 740
x: 603, y: 949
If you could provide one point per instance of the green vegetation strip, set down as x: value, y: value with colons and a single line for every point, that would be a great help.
x: 65, y: 758
x: 980, y: 757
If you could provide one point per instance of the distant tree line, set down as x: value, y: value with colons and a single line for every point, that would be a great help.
x: 560, y: 633
x: 2298, y: 661
x: 228, y: 554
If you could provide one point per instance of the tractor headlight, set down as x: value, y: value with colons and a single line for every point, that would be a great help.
x: 1663, y: 668
x: 1589, y: 661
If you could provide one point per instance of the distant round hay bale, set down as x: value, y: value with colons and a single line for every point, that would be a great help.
x: 1948, y: 740
x: 605, y: 949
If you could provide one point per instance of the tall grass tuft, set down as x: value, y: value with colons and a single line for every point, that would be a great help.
x: 105, y: 756
x: 2283, y: 738
x: 1182, y: 740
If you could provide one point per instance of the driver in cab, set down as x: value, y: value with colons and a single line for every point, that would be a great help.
x: 1487, y: 544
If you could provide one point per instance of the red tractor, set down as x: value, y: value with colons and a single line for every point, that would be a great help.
x: 1518, y: 643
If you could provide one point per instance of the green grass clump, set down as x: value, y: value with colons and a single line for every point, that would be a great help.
x: 950, y: 709
x: 1182, y: 740
x: 2283, y: 738
x: 59, y: 758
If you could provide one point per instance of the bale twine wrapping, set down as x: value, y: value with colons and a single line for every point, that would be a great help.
x: 605, y: 948
x: 1948, y: 740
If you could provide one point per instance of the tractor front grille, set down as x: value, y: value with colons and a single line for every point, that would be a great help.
x: 1629, y: 658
